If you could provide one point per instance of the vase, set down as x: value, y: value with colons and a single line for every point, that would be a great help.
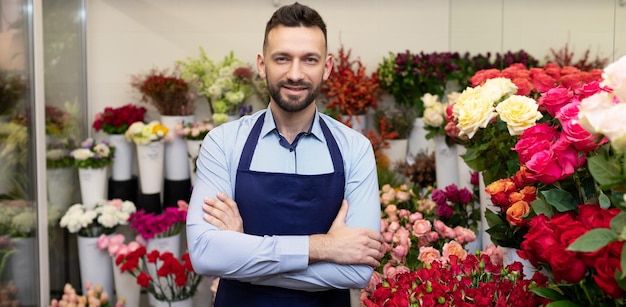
x: 203, y: 292
x: 93, y: 185
x: 396, y: 152
x: 509, y: 255
x: 150, y: 160
x: 464, y: 171
x: 175, y: 148
x: 95, y: 265
x: 357, y: 122
x: 61, y: 185
x: 20, y: 269
x: 193, y: 149
x: 184, y: 303
x: 355, y: 297
x: 418, y: 144
x: 126, y: 286
x: 166, y: 244
x: 446, y: 169
x: 122, y: 167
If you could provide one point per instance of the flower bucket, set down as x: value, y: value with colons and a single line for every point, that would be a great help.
x: 95, y: 265
x: 396, y: 152
x: 121, y: 169
x: 509, y: 255
x: 446, y: 168
x: 61, y: 185
x: 184, y: 303
x: 485, y: 202
x: 175, y: 149
x: 464, y: 171
x: 126, y: 286
x: 93, y: 185
x: 150, y: 161
x: 417, y: 139
x: 20, y: 270
x: 358, y: 122
x: 193, y: 149
x: 167, y: 244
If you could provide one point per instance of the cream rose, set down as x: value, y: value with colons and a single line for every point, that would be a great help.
x: 519, y: 113
x: 614, y: 77
x: 613, y: 126
x: 593, y: 111
x: 496, y: 89
x: 473, y: 113
x: 432, y: 118
x: 429, y: 100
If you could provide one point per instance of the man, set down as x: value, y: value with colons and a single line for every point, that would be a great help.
x: 269, y: 212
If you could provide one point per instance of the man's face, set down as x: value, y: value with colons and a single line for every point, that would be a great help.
x: 295, y: 65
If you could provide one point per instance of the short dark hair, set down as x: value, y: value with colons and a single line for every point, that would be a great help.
x: 295, y: 15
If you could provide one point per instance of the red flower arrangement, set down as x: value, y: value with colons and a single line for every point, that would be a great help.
x: 176, y: 280
x: 349, y: 89
x: 117, y: 120
x: 150, y: 225
x: 167, y: 91
x: 473, y: 281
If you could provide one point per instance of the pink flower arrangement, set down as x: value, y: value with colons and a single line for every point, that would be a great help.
x: 95, y: 297
x: 170, y: 222
x: 455, y: 206
x: 115, y: 244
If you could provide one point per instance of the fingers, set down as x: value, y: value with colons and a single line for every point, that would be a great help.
x: 222, y: 213
x: 341, y: 215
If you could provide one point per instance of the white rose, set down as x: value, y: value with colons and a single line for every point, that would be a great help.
x: 593, y: 111
x: 429, y: 100
x: 82, y: 154
x: 614, y: 77
x: 102, y: 150
x: 474, y: 114
x: 613, y: 126
x: 497, y: 88
x: 432, y: 117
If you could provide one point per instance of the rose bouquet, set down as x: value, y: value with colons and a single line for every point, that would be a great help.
x: 194, y: 131
x: 455, y: 207
x: 176, y: 280
x: 92, y: 154
x: 226, y: 84
x: 142, y: 133
x: 166, y: 90
x: 457, y: 281
x: 95, y: 297
x: 103, y: 218
x: 489, y: 118
x: 117, y: 120
x: 152, y: 225
x: 350, y: 91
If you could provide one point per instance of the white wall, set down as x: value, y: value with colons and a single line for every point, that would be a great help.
x: 129, y: 37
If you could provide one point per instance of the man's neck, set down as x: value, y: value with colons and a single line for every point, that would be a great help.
x: 290, y: 124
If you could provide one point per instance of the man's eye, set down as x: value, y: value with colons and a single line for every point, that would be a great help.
x: 311, y: 60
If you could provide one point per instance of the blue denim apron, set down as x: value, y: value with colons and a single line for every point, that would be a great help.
x: 285, y: 204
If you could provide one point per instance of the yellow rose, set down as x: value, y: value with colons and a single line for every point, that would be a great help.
x: 473, y: 112
x: 516, y: 213
x: 519, y: 113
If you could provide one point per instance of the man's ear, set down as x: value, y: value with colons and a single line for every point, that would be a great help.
x: 328, y: 66
x: 260, y: 65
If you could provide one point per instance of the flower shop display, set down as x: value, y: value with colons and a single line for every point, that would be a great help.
x: 394, y: 122
x: 150, y: 153
x: 115, y: 122
x: 95, y: 296
x: 126, y: 287
x: 225, y: 84
x: 60, y: 173
x: 89, y: 223
x: 165, y: 90
x: 350, y: 90
x: 175, y: 280
x: 166, y: 224
x: 457, y: 281
x: 92, y: 159
x: 193, y: 134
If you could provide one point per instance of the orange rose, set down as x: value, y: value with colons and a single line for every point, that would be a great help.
x: 500, y: 190
x: 515, y: 214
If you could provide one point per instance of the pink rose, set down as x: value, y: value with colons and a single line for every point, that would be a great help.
x: 103, y: 241
x: 495, y: 254
x: 428, y: 254
x: 464, y: 235
x: 376, y: 279
x: 399, y: 253
x: 422, y: 227
x: 580, y: 138
x: 444, y: 230
x: 453, y: 248
x: 535, y: 139
x: 415, y: 216
x: 554, y: 99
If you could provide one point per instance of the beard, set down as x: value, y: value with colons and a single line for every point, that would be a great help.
x: 293, y: 103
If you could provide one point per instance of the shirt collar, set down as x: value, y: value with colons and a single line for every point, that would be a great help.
x: 269, y: 125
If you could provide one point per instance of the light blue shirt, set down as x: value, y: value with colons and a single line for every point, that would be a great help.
x: 281, y: 261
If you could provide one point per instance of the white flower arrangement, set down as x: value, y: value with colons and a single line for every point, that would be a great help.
x: 142, y: 133
x: 91, y: 154
x: 18, y: 219
x: 103, y: 218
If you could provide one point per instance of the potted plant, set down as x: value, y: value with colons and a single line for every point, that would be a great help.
x: 166, y: 90
x: 92, y: 158
x: 351, y: 92
x: 150, y: 153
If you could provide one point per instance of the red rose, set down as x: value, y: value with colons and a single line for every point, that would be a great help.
x: 605, y: 276
x: 537, y: 241
x: 552, y: 70
x: 593, y: 216
x: 541, y: 80
x: 483, y: 75
x: 565, y: 265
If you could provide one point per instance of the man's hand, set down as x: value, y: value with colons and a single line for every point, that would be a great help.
x: 222, y: 213
x: 346, y: 245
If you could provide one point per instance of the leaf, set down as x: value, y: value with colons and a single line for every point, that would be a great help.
x: 560, y: 200
x: 540, y: 206
x: 603, y: 169
x: 619, y: 222
x: 548, y: 293
x: 605, y: 202
x: 623, y: 265
x: 493, y: 219
x: 593, y: 240
x: 562, y: 304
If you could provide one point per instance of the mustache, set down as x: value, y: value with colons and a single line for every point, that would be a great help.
x: 294, y: 83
